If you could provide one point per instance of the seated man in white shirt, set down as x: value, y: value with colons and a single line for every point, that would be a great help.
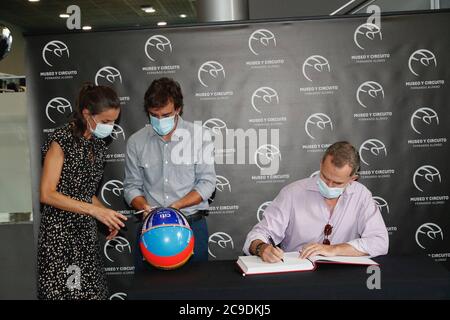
x: 330, y: 214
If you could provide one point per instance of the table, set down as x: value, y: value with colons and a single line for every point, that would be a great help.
x: 402, y: 277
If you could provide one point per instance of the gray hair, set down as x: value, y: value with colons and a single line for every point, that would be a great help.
x: 343, y: 153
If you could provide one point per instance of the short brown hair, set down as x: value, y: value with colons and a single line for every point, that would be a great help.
x: 163, y: 91
x: 343, y: 153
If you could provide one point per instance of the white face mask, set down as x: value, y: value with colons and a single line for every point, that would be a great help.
x: 102, y: 130
x: 163, y: 126
x: 328, y: 192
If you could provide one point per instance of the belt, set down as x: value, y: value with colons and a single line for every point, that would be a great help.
x: 196, y: 216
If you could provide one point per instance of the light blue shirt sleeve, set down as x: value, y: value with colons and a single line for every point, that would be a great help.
x: 205, y: 174
x: 133, y: 183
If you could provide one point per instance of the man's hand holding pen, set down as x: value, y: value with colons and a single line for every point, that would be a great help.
x: 271, y: 253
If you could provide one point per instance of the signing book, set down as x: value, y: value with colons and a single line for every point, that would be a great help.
x: 292, y: 263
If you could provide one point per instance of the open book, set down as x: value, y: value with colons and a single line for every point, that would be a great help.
x: 292, y: 262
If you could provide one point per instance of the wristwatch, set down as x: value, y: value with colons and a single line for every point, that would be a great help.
x: 258, y: 248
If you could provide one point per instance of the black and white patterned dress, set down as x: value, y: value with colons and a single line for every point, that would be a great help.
x: 68, y: 242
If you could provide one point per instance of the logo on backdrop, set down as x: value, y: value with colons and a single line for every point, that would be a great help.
x: 259, y: 39
x: 216, y: 125
x: 371, y: 90
x: 426, y: 116
x: 107, y: 75
x: 317, y: 120
x: 425, y: 175
x: 222, y: 183
x: 426, y: 232
x: 157, y: 43
x: 56, y: 53
x: 421, y: 57
x: 367, y: 37
x: 111, y: 77
x: 370, y: 94
x: 218, y: 243
x: 315, y: 173
x: 317, y: 69
x: 119, y: 244
x: 267, y: 159
x: 219, y: 130
x: 266, y: 101
x: 116, y: 154
x: 426, y: 179
x: 118, y: 296
x: 370, y: 148
x: 381, y: 204
x: 421, y: 63
x: 59, y: 105
x: 210, y: 71
x: 315, y: 64
x: 261, y: 209
x: 365, y: 31
x: 117, y: 132
x: 263, y: 41
x: 157, y: 47
x: 112, y: 188
x: 425, y: 121
x: 54, y: 50
x: 264, y: 97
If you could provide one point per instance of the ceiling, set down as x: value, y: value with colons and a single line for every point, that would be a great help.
x: 100, y: 14
x: 22, y: 16
x: 43, y: 16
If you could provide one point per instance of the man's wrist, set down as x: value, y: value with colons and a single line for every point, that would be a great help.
x: 175, y: 205
x: 259, y: 248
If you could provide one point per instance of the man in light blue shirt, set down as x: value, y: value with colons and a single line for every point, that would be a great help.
x: 170, y: 163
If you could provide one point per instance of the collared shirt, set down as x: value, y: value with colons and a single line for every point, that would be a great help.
x: 299, y: 214
x: 166, y: 171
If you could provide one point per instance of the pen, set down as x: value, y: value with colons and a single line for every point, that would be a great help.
x: 142, y: 211
x: 273, y: 244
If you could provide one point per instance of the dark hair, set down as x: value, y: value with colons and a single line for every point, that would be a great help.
x: 161, y: 92
x: 343, y: 153
x: 96, y: 99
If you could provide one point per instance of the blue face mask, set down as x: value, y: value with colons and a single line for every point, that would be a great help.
x: 102, y: 130
x: 162, y: 126
x: 327, y: 192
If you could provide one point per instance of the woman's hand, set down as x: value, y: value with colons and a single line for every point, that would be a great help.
x: 112, y: 234
x: 110, y: 218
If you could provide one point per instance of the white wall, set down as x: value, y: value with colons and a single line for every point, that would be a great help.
x: 15, y: 179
